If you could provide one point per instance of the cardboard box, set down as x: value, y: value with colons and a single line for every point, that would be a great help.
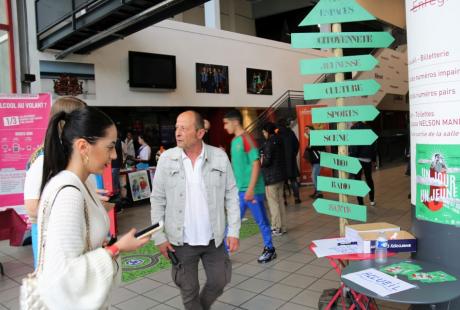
x: 398, y: 241
x: 352, y: 231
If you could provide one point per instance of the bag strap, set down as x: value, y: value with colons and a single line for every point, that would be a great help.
x: 46, y: 206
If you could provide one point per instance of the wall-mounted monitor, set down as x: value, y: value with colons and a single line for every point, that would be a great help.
x: 154, y: 71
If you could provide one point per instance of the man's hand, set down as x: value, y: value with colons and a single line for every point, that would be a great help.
x: 164, y: 247
x: 233, y: 244
x: 249, y: 195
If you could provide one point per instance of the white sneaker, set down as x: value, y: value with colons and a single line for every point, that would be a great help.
x: 372, y: 203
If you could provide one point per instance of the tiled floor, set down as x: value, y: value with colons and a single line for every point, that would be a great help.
x: 293, y: 281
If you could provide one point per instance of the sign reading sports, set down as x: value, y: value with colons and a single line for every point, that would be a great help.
x: 344, y: 114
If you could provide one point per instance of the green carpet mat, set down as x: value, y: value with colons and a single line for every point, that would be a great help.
x: 148, y: 259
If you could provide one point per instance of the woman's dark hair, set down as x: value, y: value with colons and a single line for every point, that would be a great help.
x: 270, y: 128
x: 87, y: 123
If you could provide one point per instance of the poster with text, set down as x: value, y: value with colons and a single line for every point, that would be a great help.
x: 139, y: 184
x: 23, y: 122
x: 434, y: 97
x: 304, y: 119
x: 437, y: 178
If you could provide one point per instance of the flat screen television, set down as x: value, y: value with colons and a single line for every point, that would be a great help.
x: 155, y: 71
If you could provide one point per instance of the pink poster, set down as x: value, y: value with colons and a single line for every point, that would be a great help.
x: 23, y: 122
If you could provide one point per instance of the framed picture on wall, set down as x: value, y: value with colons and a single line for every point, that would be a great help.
x: 139, y: 184
x: 211, y: 79
x: 259, y: 81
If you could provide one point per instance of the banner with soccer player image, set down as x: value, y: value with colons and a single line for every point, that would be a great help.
x: 437, y: 181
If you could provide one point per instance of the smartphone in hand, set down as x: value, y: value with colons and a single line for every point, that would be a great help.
x: 148, y: 231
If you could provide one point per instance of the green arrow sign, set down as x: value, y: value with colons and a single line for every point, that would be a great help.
x: 342, y: 137
x: 340, y: 162
x: 341, y: 40
x: 330, y: 12
x: 340, y: 89
x: 341, y: 209
x: 344, y: 114
x: 343, y: 186
x: 338, y: 64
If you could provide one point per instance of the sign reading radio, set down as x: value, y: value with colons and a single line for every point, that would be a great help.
x: 340, y: 89
x: 343, y: 186
x: 341, y: 209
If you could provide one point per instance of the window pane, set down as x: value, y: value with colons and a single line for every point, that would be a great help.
x: 3, y: 12
x: 5, y: 83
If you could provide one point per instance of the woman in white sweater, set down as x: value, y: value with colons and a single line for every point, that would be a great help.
x: 75, y: 275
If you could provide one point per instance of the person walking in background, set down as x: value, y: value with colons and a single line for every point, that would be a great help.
x: 273, y: 171
x: 246, y: 166
x: 195, y: 194
x: 366, y: 155
x: 75, y: 270
x: 291, y: 149
x: 145, y: 152
x: 34, y: 170
x: 313, y: 155
x: 128, y: 147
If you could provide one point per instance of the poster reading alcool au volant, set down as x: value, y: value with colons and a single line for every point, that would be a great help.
x: 438, y: 177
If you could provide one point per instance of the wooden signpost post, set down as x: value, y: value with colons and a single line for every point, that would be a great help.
x: 335, y: 12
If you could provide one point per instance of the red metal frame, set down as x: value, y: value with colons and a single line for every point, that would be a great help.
x: 9, y: 28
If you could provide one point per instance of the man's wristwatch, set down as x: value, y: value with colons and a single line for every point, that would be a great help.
x: 113, y: 250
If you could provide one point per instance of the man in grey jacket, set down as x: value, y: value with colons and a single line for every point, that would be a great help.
x: 195, y: 194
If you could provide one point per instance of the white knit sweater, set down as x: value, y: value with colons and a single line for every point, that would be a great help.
x: 72, y: 279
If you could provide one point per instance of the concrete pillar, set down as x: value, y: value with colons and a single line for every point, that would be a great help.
x: 212, y: 14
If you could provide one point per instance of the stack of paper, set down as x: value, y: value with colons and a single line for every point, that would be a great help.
x: 335, y: 246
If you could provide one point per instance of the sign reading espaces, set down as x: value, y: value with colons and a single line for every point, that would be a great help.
x: 341, y: 209
x: 340, y: 89
x: 340, y: 162
x: 341, y: 40
x: 336, y: 11
x: 344, y: 114
x: 342, y: 137
x: 343, y: 186
x: 338, y: 64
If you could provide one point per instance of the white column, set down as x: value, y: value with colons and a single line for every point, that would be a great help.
x: 212, y: 14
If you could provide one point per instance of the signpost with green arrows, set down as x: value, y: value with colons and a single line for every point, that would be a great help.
x: 343, y: 186
x: 340, y: 89
x: 341, y: 209
x: 342, y: 137
x: 341, y: 40
x: 337, y: 64
x: 344, y: 114
x: 336, y: 11
x: 340, y: 162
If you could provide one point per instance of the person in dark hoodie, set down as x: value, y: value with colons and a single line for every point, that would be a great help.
x: 312, y: 154
x: 366, y: 155
x: 291, y: 149
x: 273, y: 166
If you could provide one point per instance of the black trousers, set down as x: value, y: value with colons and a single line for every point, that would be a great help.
x: 218, y: 269
x: 367, y: 169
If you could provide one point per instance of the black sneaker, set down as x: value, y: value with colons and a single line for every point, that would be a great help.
x: 267, y: 255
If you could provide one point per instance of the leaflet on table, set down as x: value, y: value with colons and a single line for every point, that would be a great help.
x: 335, y: 246
x: 378, y: 282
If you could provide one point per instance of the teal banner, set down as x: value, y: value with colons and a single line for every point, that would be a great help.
x: 343, y: 186
x: 341, y: 209
x: 341, y: 40
x: 342, y: 137
x: 338, y: 64
x: 340, y: 89
x: 344, y: 114
x: 340, y: 162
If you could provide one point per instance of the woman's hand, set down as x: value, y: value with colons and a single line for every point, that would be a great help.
x: 129, y: 243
